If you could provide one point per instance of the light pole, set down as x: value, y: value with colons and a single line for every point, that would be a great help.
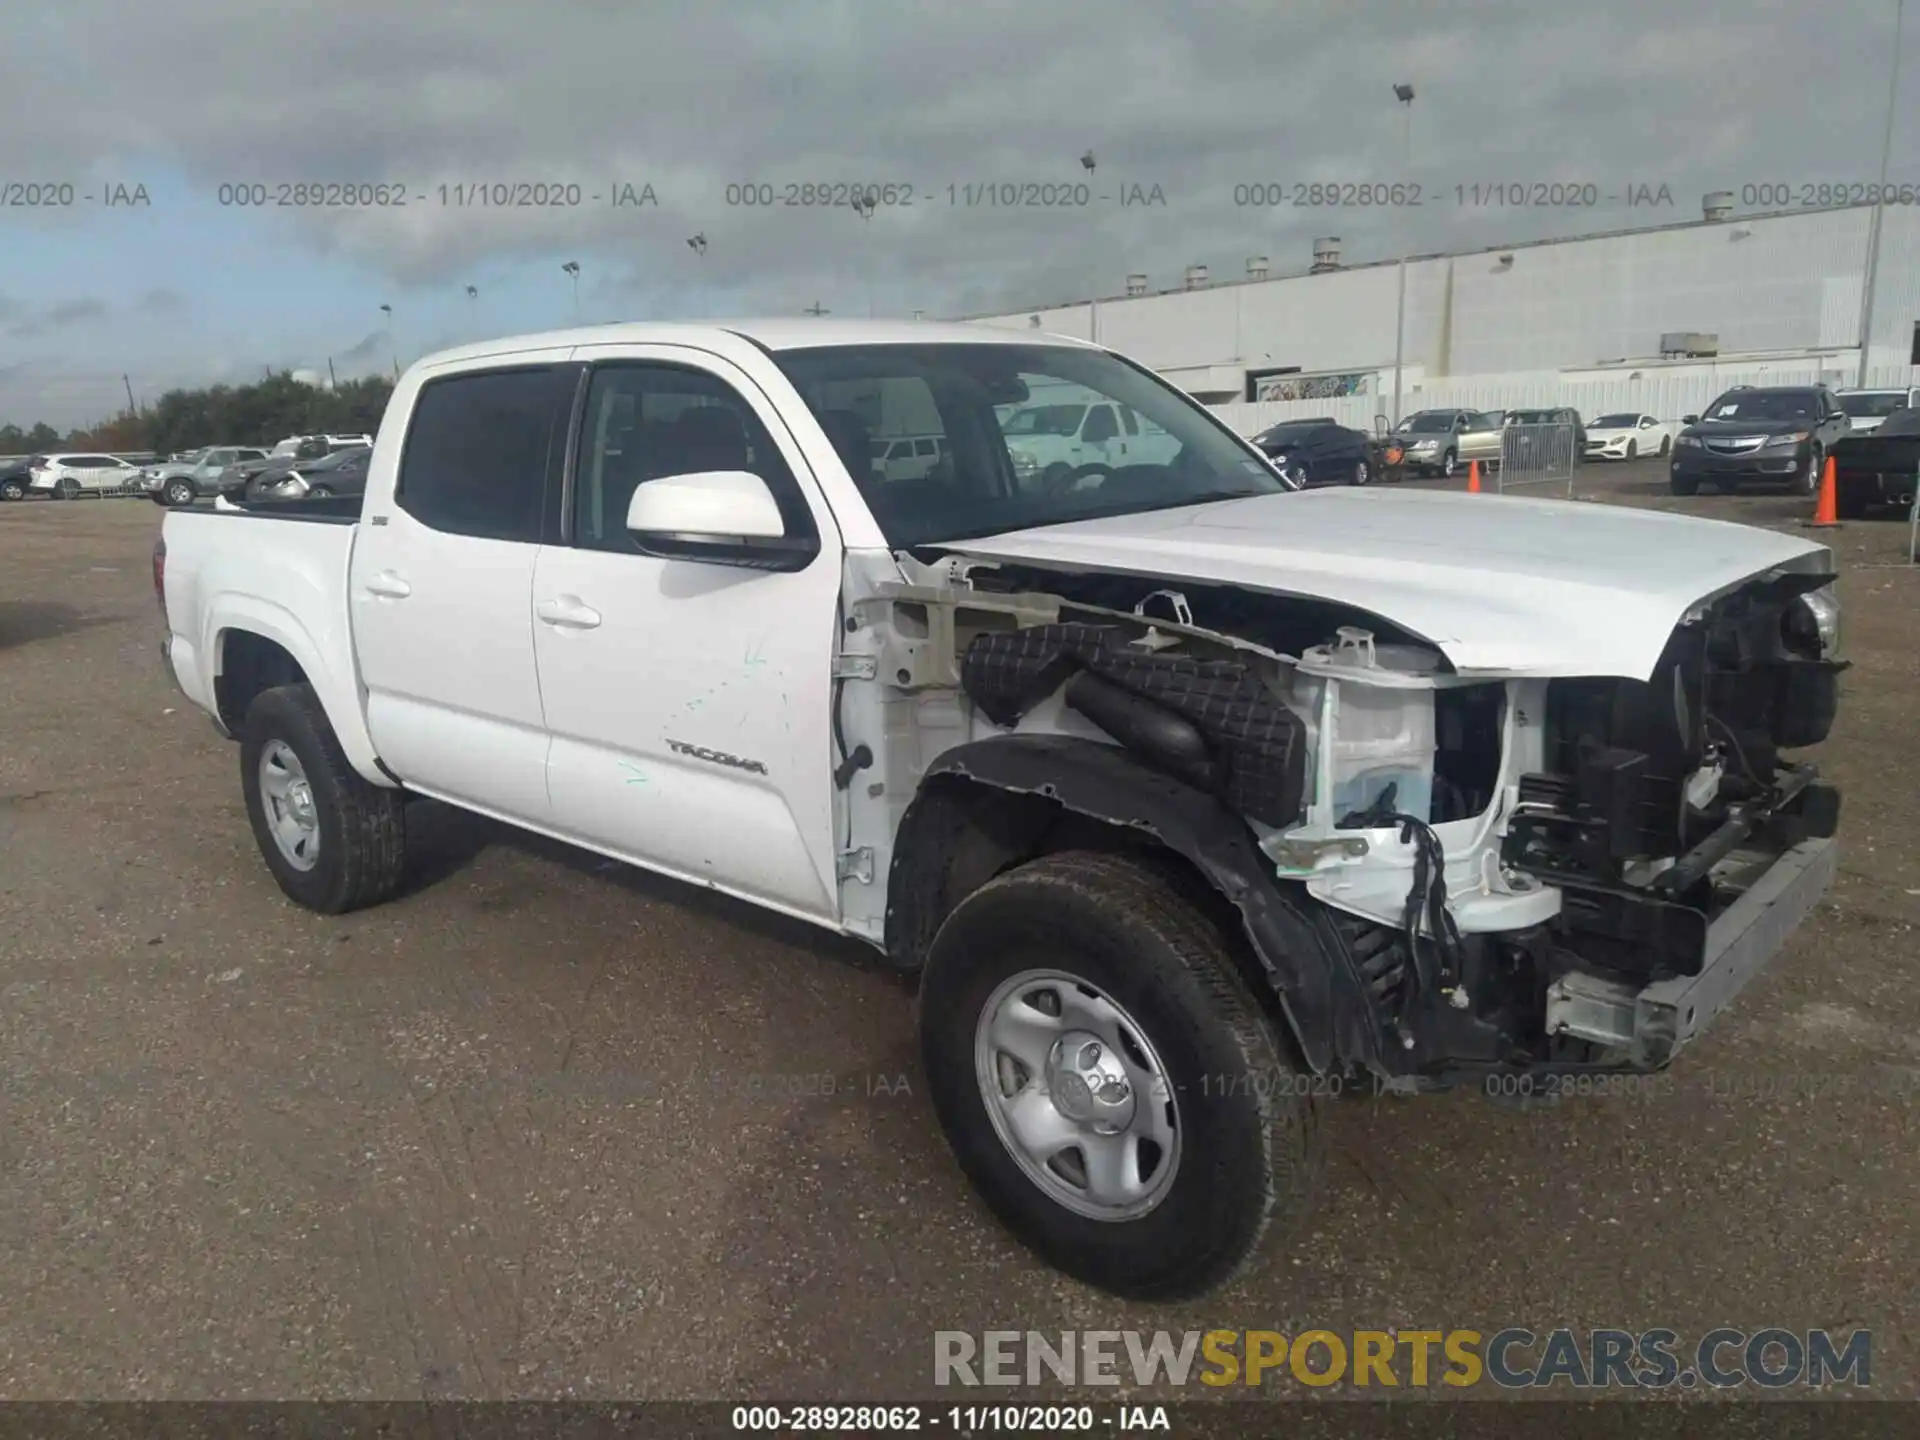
x: 1404, y: 94
x: 473, y: 308
x: 863, y: 206
x: 1872, y: 274
x: 572, y: 269
x: 1088, y: 164
x: 393, y: 341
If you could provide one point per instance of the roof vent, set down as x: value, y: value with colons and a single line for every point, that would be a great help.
x: 1196, y: 276
x: 1136, y: 284
x: 1326, y: 254
x: 1256, y: 267
x: 1717, y: 205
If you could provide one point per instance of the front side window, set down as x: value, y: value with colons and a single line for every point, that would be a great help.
x: 1874, y: 404
x: 475, y: 461
x: 1013, y: 423
x: 646, y: 421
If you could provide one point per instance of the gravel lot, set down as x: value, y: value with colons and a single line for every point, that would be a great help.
x: 549, y: 1127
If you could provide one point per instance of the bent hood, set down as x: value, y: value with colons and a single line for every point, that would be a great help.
x: 1497, y: 584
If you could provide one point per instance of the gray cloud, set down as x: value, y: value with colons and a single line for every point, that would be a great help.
x: 162, y: 302
x: 691, y: 97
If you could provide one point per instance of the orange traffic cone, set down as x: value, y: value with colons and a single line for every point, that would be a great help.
x: 1473, y: 477
x: 1826, y: 511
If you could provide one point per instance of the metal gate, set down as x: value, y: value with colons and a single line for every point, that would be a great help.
x: 1536, y: 455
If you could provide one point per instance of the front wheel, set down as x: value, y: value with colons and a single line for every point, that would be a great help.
x: 1449, y: 463
x: 1362, y: 475
x: 333, y: 841
x: 1683, y: 484
x: 1666, y: 444
x: 1107, y: 1080
x: 179, y: 492
x: 321, y: 492
x: 1633, y: 451
x: 12, y: 490
x: 1810, y: 480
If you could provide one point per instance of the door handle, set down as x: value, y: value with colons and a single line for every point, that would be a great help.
x: 390, y: 585
x: 567, y: 612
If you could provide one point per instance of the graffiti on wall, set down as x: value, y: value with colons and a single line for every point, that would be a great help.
x: 1307, y: 387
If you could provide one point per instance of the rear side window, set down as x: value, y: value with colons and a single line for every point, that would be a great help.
x: 475, y: 461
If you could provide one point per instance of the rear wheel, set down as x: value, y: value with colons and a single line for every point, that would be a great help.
x: 1666, y: 444
x: 12, y: 490
x: 333, y: 841
x: 1107, y: 1080
x: 321, y: 492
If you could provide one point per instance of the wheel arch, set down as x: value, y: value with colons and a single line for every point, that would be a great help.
x: 255, y: 645
x: 990, y: 805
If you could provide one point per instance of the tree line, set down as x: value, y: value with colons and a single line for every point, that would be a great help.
x: 262, y: 413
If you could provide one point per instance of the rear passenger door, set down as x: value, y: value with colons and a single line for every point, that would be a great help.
x: 442, y: 580
x: 688, y: 693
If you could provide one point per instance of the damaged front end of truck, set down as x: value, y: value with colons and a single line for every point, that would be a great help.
x: 1441, y: 871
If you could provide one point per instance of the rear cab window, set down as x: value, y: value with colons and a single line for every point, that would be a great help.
x: 476, y: 457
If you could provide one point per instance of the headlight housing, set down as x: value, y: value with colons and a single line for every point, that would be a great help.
x: 1824, y: 604
x: 1780, y: 442
x: 1692, y: 440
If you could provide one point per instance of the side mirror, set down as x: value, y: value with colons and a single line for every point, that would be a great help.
x: 1689, y: 419
x: 721, y: 516
x: 723, y: 505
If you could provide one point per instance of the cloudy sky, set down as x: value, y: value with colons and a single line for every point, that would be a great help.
x: 156, y: 271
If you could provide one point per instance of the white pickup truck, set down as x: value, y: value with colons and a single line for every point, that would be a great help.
x: 1191, y: 800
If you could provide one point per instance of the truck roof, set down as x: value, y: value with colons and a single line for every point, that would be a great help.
x: 776, y: 333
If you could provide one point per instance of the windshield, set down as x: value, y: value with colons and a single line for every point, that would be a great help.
x: 1763, y: 405
x: 1045, y: 420
x: 1616, y: 422
x: 1429, y: 422
x: 1868, y: 406
x: 990, y: 477
x: 1290, y: 433
x: 1529, y: 417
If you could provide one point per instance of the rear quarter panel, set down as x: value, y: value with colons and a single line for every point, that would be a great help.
x: 282, y: 579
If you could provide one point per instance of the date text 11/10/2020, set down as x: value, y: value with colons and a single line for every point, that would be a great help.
x: 958, y: 195
x: 460, y: 195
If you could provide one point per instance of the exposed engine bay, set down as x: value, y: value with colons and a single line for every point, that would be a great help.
x: 1506, y: 866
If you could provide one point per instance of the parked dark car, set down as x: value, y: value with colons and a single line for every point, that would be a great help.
x: 1758, y: 434
x: 1879, y: 469
x: 342, y: 473
x: 1323, y: 451
x: 16, y: 476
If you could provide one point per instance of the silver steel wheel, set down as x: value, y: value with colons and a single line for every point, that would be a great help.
x: 1361, y: 474
x: 1077, y: 1095
x: 287, y: 799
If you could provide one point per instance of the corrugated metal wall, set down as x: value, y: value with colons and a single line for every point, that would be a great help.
x: 1784, y: 282
x: 1662, y: 396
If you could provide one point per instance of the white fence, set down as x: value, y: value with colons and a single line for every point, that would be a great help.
x: 1663, y: 397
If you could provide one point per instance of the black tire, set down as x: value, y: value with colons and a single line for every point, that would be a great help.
x: 1666, y: 445
x: 179, y: 492
x: 1684, y: 484
x: 362, y: 826
x: 1810, y: 482
x: 1449, y: 463
x: 1633, y: 451
x: 321, y: 492
x: 1849, y: 504
x: 1246, y: 1118
x: 12, y: 490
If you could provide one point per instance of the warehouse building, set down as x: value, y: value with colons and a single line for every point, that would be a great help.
x: 1656, y: 319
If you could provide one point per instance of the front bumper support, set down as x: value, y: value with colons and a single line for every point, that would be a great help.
x: 1654, y: 1023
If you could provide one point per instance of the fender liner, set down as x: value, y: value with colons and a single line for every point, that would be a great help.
x: 1306, y: 960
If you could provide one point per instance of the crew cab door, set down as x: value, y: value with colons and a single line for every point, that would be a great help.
x: 687, y: 685
x: 441, y: 584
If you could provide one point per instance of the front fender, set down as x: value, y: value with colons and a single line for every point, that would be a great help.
x: 1310, y: 968
x: 339, y: 692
